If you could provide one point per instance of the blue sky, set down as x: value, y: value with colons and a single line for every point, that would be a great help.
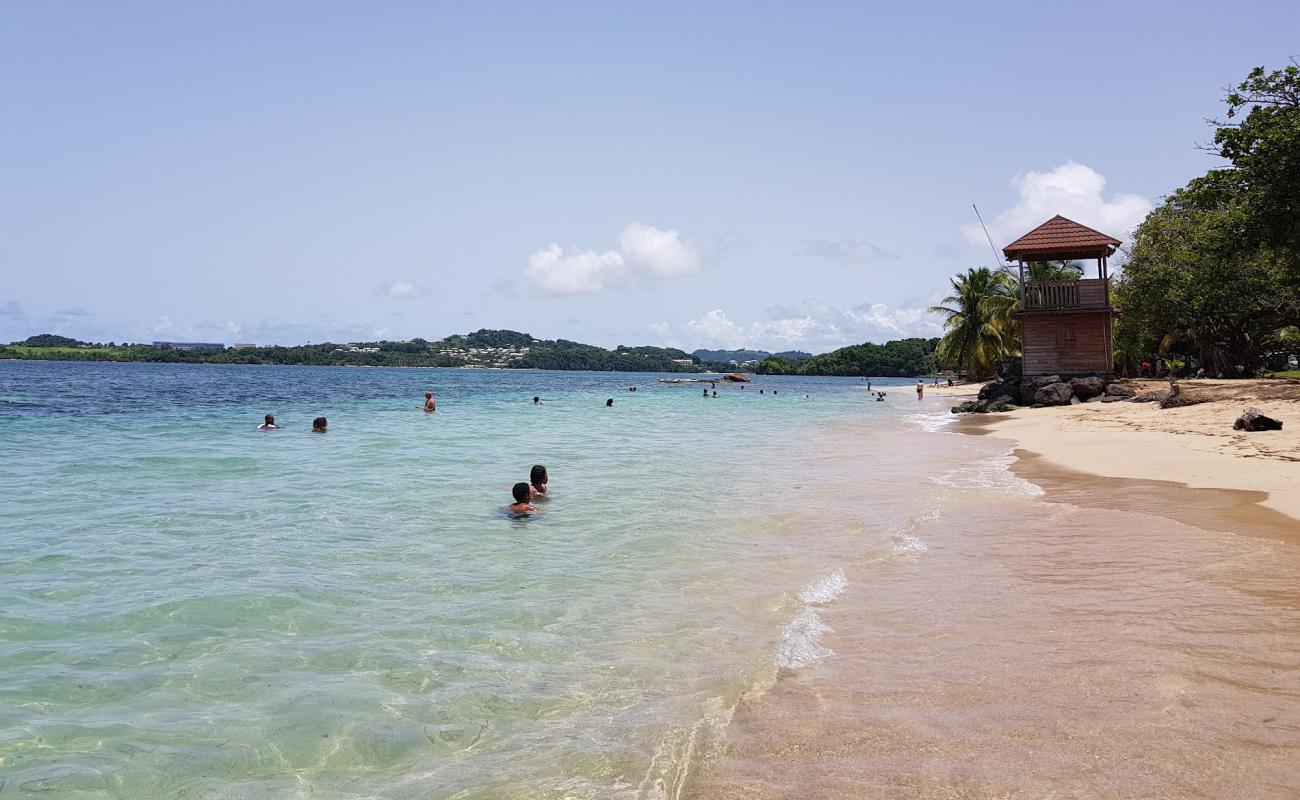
x: 695, y: 174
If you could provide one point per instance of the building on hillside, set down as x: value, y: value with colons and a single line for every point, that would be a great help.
x: 1065, y: 325
x: 244, y: 346
x: 683, y: 362
x: 191, y: 345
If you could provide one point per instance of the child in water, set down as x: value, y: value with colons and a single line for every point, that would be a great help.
x: 521, y: 493
x: 537, y: 479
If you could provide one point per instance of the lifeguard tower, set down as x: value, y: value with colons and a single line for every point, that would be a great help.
x: 1065, y: 326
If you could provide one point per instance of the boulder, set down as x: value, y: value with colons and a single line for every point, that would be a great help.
x: 1054, y: 394
x: 1039, y: 381
x: 1252, y: 419
x: 1120, y: 390
x: 1088, y: 386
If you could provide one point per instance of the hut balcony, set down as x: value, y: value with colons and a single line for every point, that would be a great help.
x: 1082, y: 295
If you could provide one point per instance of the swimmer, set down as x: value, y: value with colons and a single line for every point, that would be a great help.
x: 631, y: 388
x: 760, y: 391
x: 268, y: 424
x: 521, y: 492
x: 319, y: 424
x: 774, y: 392
x: 715, y: 392
x: 609, y: 403
x: 537, y: 479
x: 429, y: 405
x: 537, y: 401
x: 706, y: 393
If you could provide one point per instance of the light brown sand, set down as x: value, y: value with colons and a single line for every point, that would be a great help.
x: 1194, y: 445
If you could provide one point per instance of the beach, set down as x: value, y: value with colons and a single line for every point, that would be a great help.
x: 1059, y: 633
x: 810, y: 594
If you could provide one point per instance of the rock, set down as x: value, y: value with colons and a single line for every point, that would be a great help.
x: 989, y: 390
x: 1120, y: 390
x: 1101, y: 398
x: 1054, y: 394
x: 1074, y: 401
x: 1040, y: 381
x: 1153, y: 397
x: 736, y: 377
x: 1027, y: 392
x: 1178, y: 399
x: 964, y: 408
x: 1110, y: 399
x: 1252, y: 419
x: 1089, y: 386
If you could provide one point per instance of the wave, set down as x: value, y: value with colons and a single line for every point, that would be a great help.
x: 931, y: 422
x: 989, y: 474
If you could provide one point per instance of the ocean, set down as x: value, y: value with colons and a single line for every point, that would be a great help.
x: 710, y: 600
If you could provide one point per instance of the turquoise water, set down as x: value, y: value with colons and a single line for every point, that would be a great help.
x: 192, y: 608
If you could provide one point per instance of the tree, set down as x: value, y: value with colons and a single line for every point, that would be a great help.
x: 978, y: 318
x: 1053, y: 271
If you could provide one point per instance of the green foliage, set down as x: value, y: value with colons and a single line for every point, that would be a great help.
x: 981, y: 329
x: 1214, y: 272
x: 775, y: 365
x: 898, y: 359
x: 51, y: 340
x: 1053, y: 271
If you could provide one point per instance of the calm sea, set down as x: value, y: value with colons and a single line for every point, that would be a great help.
x: 192, y: 608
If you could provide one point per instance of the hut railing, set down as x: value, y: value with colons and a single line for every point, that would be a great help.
x: 1053, y: 295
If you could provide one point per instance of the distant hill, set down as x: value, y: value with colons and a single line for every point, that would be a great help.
x: 899, y: 358
x: 742, y: 356
x: 51, y: 340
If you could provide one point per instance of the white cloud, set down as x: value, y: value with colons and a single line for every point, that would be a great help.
x: 813, y: 326
x: 644, y: 252
x: 405, y: 288
x: 659, y: 253
x: 1072, y: 190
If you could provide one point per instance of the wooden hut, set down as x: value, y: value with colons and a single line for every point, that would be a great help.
x: 1065, y: 324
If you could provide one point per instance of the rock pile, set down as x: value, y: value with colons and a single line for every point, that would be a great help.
x: 1252, y: 419
x: 1045, y: 390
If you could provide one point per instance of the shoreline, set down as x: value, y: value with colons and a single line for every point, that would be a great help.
x: 1193, y: 449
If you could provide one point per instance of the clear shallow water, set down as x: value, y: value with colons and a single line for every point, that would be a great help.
x: 193, y: 608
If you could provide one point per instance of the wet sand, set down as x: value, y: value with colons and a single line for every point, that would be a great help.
x: 1088, y: 643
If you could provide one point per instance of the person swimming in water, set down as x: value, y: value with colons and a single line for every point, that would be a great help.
x: 706, y: 393
x: 319, y: 425
x: 520, y: 507
x: 268, y: 424
x: 609, y: 403
x: 429, y: 405
x: 537, y: 479
x: 537, y: 401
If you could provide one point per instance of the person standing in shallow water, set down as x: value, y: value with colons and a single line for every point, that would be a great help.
x: 920, y: 388
x: 521, y: 493
x: 429, y: 404
x: 537, y: 479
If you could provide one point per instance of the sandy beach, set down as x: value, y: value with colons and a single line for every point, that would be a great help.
x: 1194, y: 445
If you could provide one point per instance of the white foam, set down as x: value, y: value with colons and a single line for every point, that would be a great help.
x: 800, y: 641
x: 824, y: 590
x: 931, y: 422
x: 908, y: 545
x: 989, y: 474
x: 801, y: 638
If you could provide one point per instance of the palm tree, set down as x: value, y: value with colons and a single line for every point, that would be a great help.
x: 981, y: 329
x: 1053, y: 271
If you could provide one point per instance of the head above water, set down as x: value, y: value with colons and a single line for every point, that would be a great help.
x: 270, y: 419
x: 319, y: 424
x: 428, y: 395
x: 537, y: 401
x: 537, y: 476
x: 609, y: 402
x: 520, y: 492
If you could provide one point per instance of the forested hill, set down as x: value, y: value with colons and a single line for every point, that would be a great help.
x: 902, y: 358
x: 501, y: 349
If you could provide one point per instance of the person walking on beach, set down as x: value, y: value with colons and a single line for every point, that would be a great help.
x: 268, y: 424
x: 920, y: 388
x: 429, y: 405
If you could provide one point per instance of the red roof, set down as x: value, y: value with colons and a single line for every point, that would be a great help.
x: 1061, y: 238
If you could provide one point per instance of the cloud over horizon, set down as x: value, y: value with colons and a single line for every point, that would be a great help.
x: 846, y: 251
x: 1072, y: 190
x: 644, y: 253
x: 813, y: 325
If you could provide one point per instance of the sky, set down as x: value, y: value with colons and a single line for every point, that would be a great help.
x: 722, y: 174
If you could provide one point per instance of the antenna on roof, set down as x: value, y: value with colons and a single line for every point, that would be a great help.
x: 992, y: 247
